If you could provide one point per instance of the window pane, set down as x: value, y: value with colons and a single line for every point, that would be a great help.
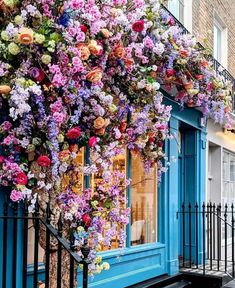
x: 144, y: 204
x: 226, y: 166
x: 232, y: 168
x: 174, y: 8
x: 118, y: 164
x: 217, y: 43
x: 73, y: 178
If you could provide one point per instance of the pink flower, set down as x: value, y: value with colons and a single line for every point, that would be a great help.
x: 56, y: 106
x: 76, y: 4
x: 21, y: 179
x: 8, y: 140
x: 92, y: 141
x: 16, y: 196
x: 80, y: 36
x: 59, y: 117
x: 171, y: 21
x: 148, y: 42
x: 77, y: 63
x: 6, y: 126
x: 1, y: 159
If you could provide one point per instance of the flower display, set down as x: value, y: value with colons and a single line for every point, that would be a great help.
x: 87, y: 74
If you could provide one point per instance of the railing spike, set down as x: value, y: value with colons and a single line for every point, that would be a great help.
x: 60, y: 225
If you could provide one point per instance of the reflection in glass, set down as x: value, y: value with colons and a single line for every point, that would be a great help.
x: 118, y: 164
x: 144, y: 204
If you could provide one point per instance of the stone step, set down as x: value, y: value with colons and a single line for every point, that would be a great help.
x: 180, y: 284
x: 230, y: 284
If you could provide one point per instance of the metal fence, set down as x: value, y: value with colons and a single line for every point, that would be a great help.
x: 14, y: 223
x: 207, y: 237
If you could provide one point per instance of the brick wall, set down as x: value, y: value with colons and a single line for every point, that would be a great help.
x: 203, y: 20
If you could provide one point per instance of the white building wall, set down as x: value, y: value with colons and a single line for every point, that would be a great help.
x: 218, y: 140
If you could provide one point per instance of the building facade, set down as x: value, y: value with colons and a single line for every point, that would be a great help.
x: 153, y: 244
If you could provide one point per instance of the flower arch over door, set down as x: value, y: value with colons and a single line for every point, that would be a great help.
x: 70, y: 77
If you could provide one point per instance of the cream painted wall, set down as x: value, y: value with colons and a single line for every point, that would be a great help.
x: 217, y: 141
x: 216, y: 135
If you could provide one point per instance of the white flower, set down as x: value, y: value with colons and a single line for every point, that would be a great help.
x: 41, y: 184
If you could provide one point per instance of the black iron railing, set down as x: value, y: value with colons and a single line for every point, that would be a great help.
x: 207, y: 237
x: 218, y: 68
x: 14, y: 242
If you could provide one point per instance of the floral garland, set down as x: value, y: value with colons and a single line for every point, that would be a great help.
x: 87, y: 73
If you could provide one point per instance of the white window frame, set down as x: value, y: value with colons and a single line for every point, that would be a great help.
x: 186, y: 14
x: 219, y: 23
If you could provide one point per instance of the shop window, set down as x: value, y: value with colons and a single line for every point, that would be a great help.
x: 75, y: 181
x: 143, y: 195
x: 144, y: 204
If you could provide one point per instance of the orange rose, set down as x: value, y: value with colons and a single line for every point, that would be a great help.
x: 100, y: 131
x: 94, y: 75
x: 25, y: 36
x: 119, y: 51
x: 64, y: 155
x: 204, y: 63
x: 73, y: 148
x: 95, y: 48
x: 5, y: 89
x: 183, y: 53
x: 84, y: 51
x: 99, y: 123
x: 188, y: 85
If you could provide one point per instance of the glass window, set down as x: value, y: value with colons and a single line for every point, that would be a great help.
x: 144, y: 204
x: 228, y: 177
x: 118, y: 164
x: 72, y: 179
x: 176, y: 7
x: 217, y: 43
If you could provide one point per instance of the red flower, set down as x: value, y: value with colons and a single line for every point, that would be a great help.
x: 138, y: 26
x: 199, y: 77
x: 122, y: 126
x: 21, y: 179
x: 92, y: 141
x: 86, y: 219
x: 44, y: 161
x: 37, y: 74
x: 74, y: 133
x: 171, y: 21
x: 83, y: 28
x: 1, y: 159
x: 170, y: 72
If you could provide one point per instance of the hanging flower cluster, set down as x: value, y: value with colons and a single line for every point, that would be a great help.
x: 87, y: 73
